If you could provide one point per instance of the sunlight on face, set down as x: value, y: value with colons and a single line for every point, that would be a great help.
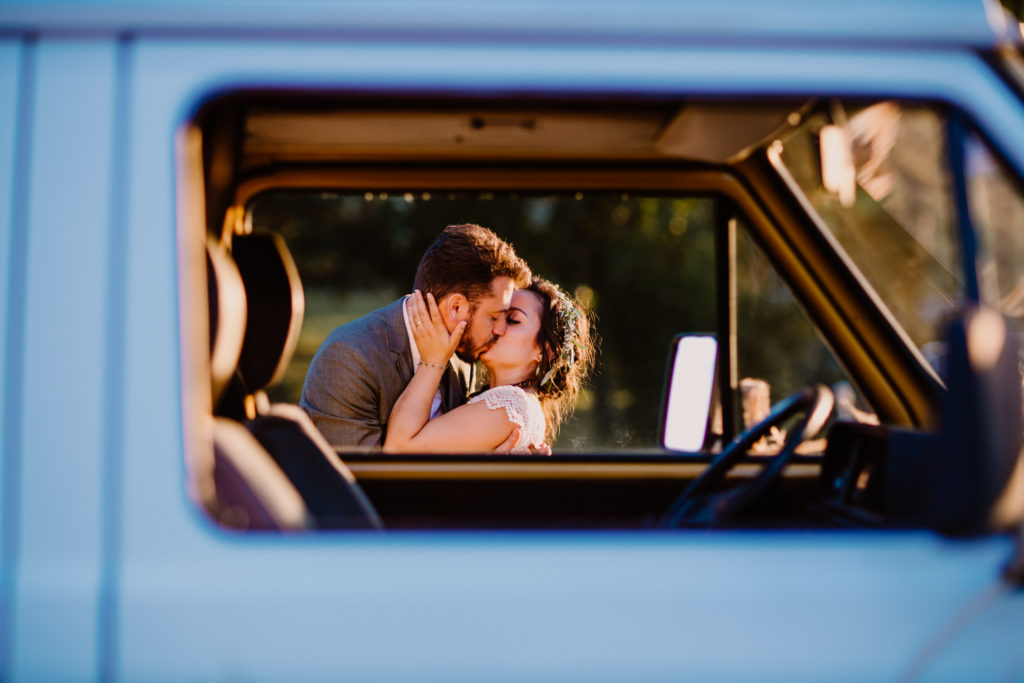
x: 487, y: 319
x: 517, y: 353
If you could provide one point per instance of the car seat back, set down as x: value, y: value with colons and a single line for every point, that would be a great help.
x: 240, y: 486
x: 275, y: 307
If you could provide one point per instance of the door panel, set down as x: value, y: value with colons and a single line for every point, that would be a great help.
x: 61, y: 470
x: 198, y: 601
x: 11, y: 256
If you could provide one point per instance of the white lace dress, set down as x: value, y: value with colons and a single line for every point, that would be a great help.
x: 522, y: 408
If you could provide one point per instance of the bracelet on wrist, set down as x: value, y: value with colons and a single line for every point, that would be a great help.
x: 424, y: 363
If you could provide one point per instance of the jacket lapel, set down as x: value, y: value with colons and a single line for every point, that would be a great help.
x: 456, y: 384
x: 398, y: 340
x: 458, y: 379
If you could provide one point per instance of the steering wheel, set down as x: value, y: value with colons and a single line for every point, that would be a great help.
x: 697, y: 506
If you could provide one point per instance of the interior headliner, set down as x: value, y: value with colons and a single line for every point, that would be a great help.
x: 713, y: 132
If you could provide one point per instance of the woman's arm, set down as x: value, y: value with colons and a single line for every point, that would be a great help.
x: 470, y: 428
x: 407, y: 427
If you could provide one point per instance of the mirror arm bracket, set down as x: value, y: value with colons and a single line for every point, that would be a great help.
x: 725, y: 295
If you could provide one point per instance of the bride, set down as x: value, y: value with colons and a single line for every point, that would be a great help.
x: 536, y: 369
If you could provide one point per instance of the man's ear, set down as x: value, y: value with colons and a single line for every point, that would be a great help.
x: 454, y: 307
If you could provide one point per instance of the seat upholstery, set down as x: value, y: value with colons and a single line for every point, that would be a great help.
x: 275, y: 307
x: 252, y: 491
x: 227, y: 316
x: 240, y: 486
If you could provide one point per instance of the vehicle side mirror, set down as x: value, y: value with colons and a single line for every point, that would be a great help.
x: 975, y: 481
x: 688, y: 392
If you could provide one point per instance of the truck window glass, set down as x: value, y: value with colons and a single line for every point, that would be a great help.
x: 878, y: 178
x: 779, y: 351
x: 997, y: 213
x: 645, y: 264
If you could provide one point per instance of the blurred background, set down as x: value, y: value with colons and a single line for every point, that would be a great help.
x: 644, y: 265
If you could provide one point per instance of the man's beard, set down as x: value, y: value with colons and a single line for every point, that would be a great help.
x: 466, y: 350
x: 472, y: 355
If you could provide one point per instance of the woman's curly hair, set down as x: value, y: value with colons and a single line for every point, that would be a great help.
x: 568, y: 347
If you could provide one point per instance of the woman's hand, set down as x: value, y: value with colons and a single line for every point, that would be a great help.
x: 435, y: 343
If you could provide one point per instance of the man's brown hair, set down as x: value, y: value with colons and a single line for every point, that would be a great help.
x: 465, y: 259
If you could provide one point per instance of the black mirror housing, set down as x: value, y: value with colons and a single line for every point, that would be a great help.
x: 980, y: 429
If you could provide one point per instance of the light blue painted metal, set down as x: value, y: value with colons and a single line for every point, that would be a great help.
x: 196, y: 602
x: 10, y: 69
x: 172, y: 77
x: 500, y: 606
x: 113, y: 396
x: 9, y: 63
x: 509, y: 607
x: 737, y: 22
x: 958, y: 77
x: 58, y: 572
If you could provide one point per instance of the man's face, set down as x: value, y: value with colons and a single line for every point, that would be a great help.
x: 486, y: 319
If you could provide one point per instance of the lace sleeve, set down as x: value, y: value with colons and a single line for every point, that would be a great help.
x: 522, y: 409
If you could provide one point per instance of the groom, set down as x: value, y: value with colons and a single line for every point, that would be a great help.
x: 362, y: 367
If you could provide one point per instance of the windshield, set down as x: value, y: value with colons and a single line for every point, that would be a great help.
x: 997, y: 214
x: 877, y: 176
x: 644, y: 264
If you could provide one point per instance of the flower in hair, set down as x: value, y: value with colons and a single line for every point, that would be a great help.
x: 568, y: 316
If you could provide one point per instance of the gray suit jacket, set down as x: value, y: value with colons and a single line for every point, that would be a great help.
x: 359, y: 372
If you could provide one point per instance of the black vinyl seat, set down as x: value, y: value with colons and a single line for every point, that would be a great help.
x: 237, y: 481
x: 274, y: 312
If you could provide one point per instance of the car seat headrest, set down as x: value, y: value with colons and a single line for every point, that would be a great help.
x: 276, y: 305
x: 227, y: 316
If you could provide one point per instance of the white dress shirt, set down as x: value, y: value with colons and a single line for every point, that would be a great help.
x: 435, y: 405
